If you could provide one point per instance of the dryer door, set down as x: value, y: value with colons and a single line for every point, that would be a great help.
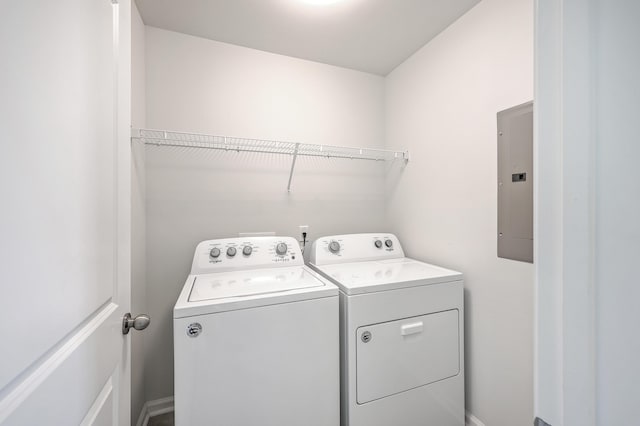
x: 396, y: 356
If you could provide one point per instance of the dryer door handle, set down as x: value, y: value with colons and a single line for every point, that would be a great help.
x: 413, y: 328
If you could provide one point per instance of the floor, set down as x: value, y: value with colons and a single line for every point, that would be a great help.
x: 161, y: 420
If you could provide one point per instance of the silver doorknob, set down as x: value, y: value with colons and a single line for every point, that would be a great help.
x: 140, y: 322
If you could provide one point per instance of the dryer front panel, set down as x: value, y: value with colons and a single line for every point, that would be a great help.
x: 397, y: 356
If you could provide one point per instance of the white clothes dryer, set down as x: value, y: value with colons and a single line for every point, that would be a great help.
x: 255, y: 338
x: 401, y: 333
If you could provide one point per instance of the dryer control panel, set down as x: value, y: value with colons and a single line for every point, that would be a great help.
x: 245, y: 253
x: 355, y: 248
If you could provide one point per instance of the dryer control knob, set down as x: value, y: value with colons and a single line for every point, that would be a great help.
x: 231, y: 251
x: 378, y: 243
x: 247, y: 250
x: 388, y: 243
x: 334, y: 246
x: 215, y: 252
x: 281, y: 249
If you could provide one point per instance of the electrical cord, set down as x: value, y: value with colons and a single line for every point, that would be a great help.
x: 304, y: 241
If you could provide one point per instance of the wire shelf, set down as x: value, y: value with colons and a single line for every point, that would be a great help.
x: 226, y: 143
x: 293, y: 149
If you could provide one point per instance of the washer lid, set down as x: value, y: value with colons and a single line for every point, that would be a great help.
x: 250, y: 283
x: 226, y: 291
x: 370, y: 276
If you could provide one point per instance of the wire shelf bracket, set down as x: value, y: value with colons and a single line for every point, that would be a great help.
x: 293, y: 149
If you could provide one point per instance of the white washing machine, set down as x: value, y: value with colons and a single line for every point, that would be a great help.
x: 401, y: 333
x: 256, y: 338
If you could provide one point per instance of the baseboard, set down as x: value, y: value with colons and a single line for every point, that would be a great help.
x: 472, y: 420
x: 154, y: 408
x: 143, y: 418
x: 165, y: 405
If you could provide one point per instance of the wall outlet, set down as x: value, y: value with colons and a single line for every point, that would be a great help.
x: 303, y: 236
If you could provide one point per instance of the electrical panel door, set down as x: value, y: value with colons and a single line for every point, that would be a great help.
x: 515, y: 183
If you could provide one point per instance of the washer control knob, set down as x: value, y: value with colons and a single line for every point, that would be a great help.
x: 215, y: 252
x: 247, y: 250
x: 378, y: 243
x: 388, y: 243
x: 281, y: 249
x: 231, y: 251
x: 334, y: 246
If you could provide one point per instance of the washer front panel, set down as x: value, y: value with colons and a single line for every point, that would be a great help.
x: 271, y: 365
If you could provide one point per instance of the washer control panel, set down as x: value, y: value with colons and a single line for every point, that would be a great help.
x: 246, y: 253
x: 355, y: 248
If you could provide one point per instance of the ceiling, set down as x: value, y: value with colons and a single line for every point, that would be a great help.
x: 373, y: 36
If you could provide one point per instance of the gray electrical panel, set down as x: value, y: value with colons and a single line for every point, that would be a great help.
x: 515, y: 183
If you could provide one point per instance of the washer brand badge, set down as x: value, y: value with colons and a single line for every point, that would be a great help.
x: 194, y: 329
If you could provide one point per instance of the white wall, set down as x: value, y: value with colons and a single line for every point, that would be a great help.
x: 198, y: 85
x: 588, y: 229
x: 138, y: 212
x: 441, y: 104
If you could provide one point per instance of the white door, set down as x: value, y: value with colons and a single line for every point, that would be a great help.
x: 64, y: 227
